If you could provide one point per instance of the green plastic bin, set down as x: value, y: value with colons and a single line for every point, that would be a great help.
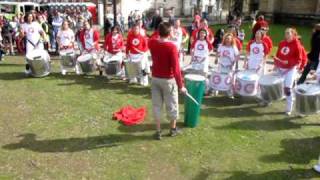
x: 195, y: 85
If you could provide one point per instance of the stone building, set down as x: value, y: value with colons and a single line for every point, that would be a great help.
x: 291, y: 11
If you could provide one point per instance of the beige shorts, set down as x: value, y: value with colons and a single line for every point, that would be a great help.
x: 165, y: 91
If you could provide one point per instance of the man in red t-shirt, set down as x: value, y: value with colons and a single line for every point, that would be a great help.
x: 166, y: 78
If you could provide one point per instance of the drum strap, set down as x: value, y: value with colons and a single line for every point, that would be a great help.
x: 34, y: 45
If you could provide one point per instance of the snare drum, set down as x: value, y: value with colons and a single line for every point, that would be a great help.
x: 86, y: 63
x: 247, y: 83
x: 271, y: 87
x: 221, y: 81
x: 39, y: 62
x: 307, y: 99
x: 68, y: 59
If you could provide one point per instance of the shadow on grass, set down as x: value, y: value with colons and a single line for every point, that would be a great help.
x: 10, y: 76
x: 296, y: 151
x: 30, y: 142
x: 98, y: 82
x: 276, y: 174
x: 146, y: 127
x: 266, y: 125
x: 12, y: 65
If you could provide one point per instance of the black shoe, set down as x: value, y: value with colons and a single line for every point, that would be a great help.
x: 174, y: 132
x: 158, y: 135
x: 100, y: 73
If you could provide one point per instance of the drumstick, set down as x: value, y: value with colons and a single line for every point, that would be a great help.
x: 189, y: 96
x: 278, y: 59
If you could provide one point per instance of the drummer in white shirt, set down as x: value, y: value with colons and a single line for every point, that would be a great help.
x: 179, y: 36
x: 257, y: 51
x: 65, y: 40
x: 34, y: 35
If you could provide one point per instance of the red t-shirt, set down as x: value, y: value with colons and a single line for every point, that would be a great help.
x: 155, y: 35
x: 113, y: 44
x: 136, y: 44
x: 304, y: 59
x: 238, y: 43
x: 165, y: 60
x: 267, y: 39
x: 290, y: 52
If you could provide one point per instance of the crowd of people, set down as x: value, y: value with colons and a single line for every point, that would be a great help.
x: 72, y: 30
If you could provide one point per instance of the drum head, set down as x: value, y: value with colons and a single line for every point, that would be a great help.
x: 308, y: 89
x: 85, y: 57
x: 270, y: 79
x: 194, y: 77
x: 248, y: 75
x: 69, y: 52
x: 37, y: 54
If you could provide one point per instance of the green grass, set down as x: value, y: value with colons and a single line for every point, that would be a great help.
x: 277, y: 33
x: 60, y: 127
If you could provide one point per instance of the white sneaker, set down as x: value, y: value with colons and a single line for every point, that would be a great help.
x: 133, y: 81
x: 27, y: 72
x: 63, y: 72
x: 288, y: 113
x: 317, y: 168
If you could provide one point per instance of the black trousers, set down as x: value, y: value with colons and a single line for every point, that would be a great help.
x: 312, y: 65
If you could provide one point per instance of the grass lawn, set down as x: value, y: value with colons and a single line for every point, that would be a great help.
x: 277, y: 33
x: 60, y: 127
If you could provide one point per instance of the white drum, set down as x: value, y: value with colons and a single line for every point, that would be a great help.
x: 221, y: 81
x: 86, y: 62
x: 271, y: 87
x: 39, y: 62
x: 247, y: 83
x: 307, y: 99
x: 68, y: 58
x: 133, y: 69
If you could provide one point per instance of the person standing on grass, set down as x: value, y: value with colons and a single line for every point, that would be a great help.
x: 288, y: 60
x: 166, y: 79
x: 34, y: 35
x: 261, y: 22
x: 313, y: 55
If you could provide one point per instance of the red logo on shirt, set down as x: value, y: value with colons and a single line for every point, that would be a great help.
x: 285, y: 50
x: 135, y: 41
x: 200, y: 47
x: 31, y: 30
x: 216, y: 79
x: 226, y: 53
x: 256, y: 50
x: 66, y: 37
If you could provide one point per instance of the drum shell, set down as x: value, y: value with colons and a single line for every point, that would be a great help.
x: 87, y: 66
x: 196, y: 89
x: 112, y: 67
x: 272, y: 91
x: 133, y: 69
x: 221, y: 81
x: 307, y: 104
x: 247, y: 88
x: 40, y: 67
x: 68, y: 61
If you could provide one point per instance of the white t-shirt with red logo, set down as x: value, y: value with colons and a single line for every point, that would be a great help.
x: 66, y: 37
x: 201, y: 48
x: 88, y: 39
x: 178, y: 34
x: 227, y: 55
x: 32, y: 31
x: 257, y: 52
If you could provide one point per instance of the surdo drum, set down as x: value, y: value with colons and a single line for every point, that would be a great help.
x: 307, y: 99
x: 271, y: 87
x: 247, y: 83
x: 39, y: 62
